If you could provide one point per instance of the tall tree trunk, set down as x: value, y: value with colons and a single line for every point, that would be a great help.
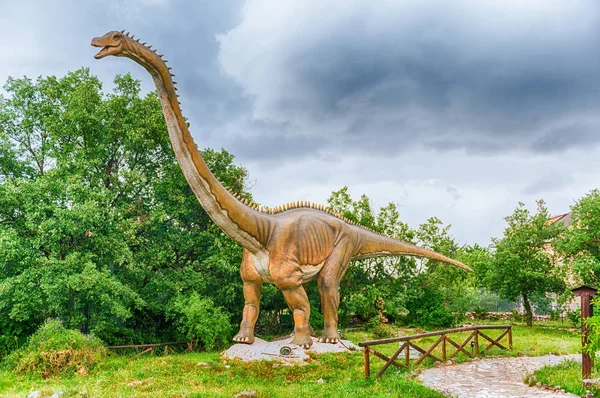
x: 528, y: 314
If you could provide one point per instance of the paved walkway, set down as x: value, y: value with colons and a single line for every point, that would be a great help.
x: 492, y: 378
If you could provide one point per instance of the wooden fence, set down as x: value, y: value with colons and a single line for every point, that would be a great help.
x: 407, y: 342
x: 150, y: 348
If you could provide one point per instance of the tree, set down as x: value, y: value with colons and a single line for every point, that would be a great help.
x: 98, y: 226
x: 523, y: 266
x: 580, y: 248
x: 580, y: 245
x: 416, y: 291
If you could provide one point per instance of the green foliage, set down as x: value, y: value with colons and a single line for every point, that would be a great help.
x: 566, y: 375
x: 426, y: 308
x: 53, y: 350
x: 522, y: 265
x: 516, y: 315
x: 199, y: 319
x: 400, y: 282
x: 574, y: 317
x: 480, y: 312
x: 383, y: 331
x: 579, y: 244
x: 581, y: 251
x: 97, y: 224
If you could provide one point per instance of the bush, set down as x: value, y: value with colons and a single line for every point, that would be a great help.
x: 383, y: 331
x: 480, y: 312
x: 516, y: 315
x: 574, y: 317
x: 427, y: 309
x: 199, y: 319
x: 53, y: 349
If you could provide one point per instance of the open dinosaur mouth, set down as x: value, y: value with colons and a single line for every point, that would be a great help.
x: 102, y: 52
x: 106, y: 49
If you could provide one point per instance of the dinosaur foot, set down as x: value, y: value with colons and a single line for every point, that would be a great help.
x: 332, y: 340
x: 244, y: 337
x: 329, y: 337
x: 302, y: 341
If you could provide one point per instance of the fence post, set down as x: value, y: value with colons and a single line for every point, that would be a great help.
x: 444, y: 347
x: 510, y: 337
x: 476, y: 339
x: 367, y: 363
x: 407, y: 353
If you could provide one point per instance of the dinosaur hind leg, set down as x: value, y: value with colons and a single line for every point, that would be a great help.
x: 252, y: 286
x: 288, y: 278
x: 329, y: 290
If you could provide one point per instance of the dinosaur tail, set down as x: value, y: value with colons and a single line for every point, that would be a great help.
x: 378, y: 246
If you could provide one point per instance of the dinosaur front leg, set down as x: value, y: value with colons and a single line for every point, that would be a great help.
x: 252, y: 286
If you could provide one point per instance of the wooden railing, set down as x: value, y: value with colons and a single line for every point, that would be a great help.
x: 407, y: 342
x: 150, y: 348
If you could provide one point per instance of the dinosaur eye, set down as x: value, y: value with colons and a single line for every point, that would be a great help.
x: 117, y: 37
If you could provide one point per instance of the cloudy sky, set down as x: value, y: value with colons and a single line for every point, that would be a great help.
x: 455, y: 109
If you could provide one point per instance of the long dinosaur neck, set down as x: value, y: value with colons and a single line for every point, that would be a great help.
x: 249, y: 228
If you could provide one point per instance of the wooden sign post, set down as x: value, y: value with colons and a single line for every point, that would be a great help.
x: 586, y: 293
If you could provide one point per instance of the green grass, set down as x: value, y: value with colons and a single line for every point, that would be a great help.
x: 180, y: 375
x: 342, y: 374
x: 567, y: 375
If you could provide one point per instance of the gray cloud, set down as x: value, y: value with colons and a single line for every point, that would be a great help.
x: 487, y: 76
x: 455, y: 109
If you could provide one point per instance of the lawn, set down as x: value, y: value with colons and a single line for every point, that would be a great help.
x: 567, y: 375
x: 206, y: 375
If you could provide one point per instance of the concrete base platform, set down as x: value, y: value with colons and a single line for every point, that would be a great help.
x: 262, y: 350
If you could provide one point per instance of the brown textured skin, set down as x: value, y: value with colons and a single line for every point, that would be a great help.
x: 287, y: 246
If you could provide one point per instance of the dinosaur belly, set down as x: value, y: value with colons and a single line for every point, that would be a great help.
x: 261, y: 264
x: 309, y: 272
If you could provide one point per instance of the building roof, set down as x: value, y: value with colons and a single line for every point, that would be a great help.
x: 564, y: 218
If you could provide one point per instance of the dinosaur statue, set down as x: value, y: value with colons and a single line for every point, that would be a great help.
x: 288, y: 245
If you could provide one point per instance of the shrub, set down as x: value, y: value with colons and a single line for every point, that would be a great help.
x: 383, y: 331
x: 574, y: 317
x: 427, y: 309
x: 53, y: 349
x: 480, y: 312
x: 516, y: 315
x: 199, y: 319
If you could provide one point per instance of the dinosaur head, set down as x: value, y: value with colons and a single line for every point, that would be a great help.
x: 112, y: 43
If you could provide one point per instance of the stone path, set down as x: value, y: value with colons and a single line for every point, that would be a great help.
x: 492, y: 378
